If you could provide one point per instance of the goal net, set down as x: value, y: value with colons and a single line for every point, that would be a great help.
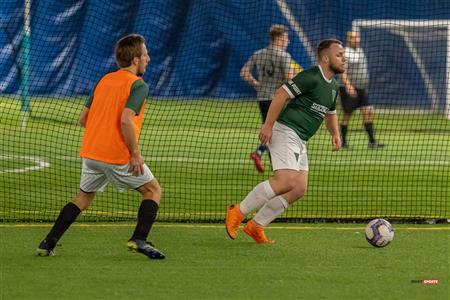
x: 202, y: 119
x: 410, y: 62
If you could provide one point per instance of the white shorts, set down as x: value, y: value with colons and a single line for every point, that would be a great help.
x: 287, y: 149
x: 96, y: 175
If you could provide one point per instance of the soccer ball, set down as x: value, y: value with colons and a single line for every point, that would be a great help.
x: 379, y: 232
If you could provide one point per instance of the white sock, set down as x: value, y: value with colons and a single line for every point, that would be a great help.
x: 271, y: 210
x: 259, y: 196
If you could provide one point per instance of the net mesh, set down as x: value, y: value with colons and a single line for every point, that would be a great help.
x: 202, y: 119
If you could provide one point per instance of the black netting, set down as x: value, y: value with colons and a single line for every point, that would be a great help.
x: 202, y: 119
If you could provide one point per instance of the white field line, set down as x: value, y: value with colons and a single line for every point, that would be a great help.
x: 40, y: 164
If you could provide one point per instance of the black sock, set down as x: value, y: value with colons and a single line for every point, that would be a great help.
x: 344, y: 134
x: 369, y: 129
x: 261, y: 149
x: 66, y: 217
x: 146, y: 216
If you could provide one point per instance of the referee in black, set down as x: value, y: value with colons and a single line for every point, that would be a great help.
x: 353, y: 92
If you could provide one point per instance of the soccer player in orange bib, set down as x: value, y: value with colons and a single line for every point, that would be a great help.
x: 112, y: 117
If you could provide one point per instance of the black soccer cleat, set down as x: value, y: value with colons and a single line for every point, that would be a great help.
x: 145, y: 248
x: 376, y: 145
x: 45, y: 249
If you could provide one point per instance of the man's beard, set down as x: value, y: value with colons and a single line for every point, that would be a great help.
x: 336, y: 70
x: 140, y: 72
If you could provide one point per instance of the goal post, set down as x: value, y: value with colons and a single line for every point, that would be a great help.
x: 427, y: 42
x: 25, y: 64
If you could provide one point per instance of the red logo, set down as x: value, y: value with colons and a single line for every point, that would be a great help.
x: 426, y: 281
x: 430, y: 281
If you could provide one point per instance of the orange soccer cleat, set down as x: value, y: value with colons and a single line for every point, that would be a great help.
x: 256, y: 232
x: 234, y: 218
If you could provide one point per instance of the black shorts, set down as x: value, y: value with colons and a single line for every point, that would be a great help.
x: 349, y: 104
x: 264, y: 108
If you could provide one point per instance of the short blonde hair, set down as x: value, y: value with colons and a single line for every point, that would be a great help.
x: 276, y: 31
x: 127, y: 48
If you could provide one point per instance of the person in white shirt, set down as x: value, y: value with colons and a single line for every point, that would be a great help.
x: 355, y: 81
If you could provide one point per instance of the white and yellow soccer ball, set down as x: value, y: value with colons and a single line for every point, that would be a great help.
x: 379, y: 232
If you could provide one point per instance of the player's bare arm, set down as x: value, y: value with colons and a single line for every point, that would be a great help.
x: 126, y: 123
x: 83, y: 116
x: 331, y: 123
x: 278, y: 103
x: 348, y: 86
x: 246, y: 74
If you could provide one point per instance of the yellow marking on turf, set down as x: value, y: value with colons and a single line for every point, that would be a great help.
x: 91, y: 213
x: 222, y: 226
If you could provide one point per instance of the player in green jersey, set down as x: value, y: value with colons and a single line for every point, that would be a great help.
x: 298, y: 108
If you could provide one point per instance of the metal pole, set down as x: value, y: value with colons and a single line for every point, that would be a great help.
x: 25, y: 62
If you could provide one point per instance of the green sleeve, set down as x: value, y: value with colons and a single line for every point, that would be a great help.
x: 89, y: 100
x: 301, y: 84
x: 333, y: 106
x: 138, y: 94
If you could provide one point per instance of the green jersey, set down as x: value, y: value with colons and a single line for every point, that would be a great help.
x: 312, y: 96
